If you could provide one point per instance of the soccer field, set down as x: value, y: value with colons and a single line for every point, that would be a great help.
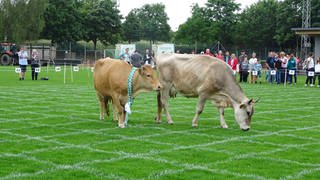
x: 51, y: 130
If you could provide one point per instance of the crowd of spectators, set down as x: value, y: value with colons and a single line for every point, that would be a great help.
x: 280, y: 67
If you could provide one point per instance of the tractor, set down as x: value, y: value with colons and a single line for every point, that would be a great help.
x: 8, y: 54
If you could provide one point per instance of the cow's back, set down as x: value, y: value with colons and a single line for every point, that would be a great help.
x: 189, y: 72
x: 110, y: 76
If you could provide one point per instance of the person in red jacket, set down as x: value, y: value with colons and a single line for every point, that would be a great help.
x: 233, y: 62
x: 219, y: 55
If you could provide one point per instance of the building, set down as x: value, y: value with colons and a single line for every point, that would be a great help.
x: 312, y: 32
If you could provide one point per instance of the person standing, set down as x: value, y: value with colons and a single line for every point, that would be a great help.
x: 284, y: 61
x: 23, y: 62
x: 147, y: 57
x: 310, y: 68
x: 278, y: 67
x: 208, y: 53
x: 317, y: 71
x: 241, y: 59
x: 227, y: 57
x: 252, y: 61
x: 125, y: 56
x: 270, y: 63
x: 244, y: 70
x: 258, y: 68
x: 136, y: 59
x: 34, y: 64
x: 219, y: 55
x: 233, y: 63
x: 292, y: 66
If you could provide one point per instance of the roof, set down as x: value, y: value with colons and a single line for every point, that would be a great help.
x: 307, y: 31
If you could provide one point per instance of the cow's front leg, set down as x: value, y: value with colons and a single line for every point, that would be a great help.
x: 164, y: 100
x: 223, y: 123
x: 199, y: 109
x: 158, y: 118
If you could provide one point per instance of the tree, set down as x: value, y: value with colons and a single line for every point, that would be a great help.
x: 196, y: 30
x: 288, y: 16
x: 315, y: 13
x: 63, y: 21
x: 257, y: 25
x: 223, y: 16
x: 132, y: 27
x: 102, y: 22
x: 21, y: 20
x: 154, y: 22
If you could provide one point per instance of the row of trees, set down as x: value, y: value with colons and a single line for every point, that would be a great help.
x: 266, y: 23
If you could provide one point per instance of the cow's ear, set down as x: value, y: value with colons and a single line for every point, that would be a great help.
x: 243, y: 106
x: 142, y: 70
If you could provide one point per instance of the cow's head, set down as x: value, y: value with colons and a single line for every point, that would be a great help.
x: 243, y: 114
x: 149, y: 79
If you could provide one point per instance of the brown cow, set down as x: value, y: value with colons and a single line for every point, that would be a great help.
x: 207, y: 78
x: 111, y: 83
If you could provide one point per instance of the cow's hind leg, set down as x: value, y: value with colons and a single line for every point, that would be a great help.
x: 199, y: 109
x: 102, y: 104
x: 223, y: 123
x: 114, y: 112
x: 120, y: 109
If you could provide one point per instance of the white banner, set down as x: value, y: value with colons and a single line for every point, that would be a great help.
x: 273, y: 72
x: 37, y: 70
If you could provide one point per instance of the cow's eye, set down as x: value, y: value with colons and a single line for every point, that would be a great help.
x: 148, y: 75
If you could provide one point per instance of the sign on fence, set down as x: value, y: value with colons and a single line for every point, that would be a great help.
x: 75, y: 68
x: 57, y: 69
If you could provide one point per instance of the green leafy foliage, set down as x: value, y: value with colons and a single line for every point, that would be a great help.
x: 101, y: 21
x: 63, y: 21
x: 21, y: 20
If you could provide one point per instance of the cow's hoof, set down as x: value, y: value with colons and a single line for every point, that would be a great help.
x: 170, y: 122
x: 194, y: 125
x: 224, y: 126
x: 158, y: 122
x: 121, y: 126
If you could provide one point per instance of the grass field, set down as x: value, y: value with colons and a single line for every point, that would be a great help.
x: 51, y: 130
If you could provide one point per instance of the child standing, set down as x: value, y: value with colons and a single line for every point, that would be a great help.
x: 258, y: 68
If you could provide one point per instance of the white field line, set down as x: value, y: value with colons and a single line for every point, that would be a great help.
x: 126, y: 154
x: 188, y: 166
x: 301, y: 174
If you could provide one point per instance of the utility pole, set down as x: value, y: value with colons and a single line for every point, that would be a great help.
x: 306, y: 23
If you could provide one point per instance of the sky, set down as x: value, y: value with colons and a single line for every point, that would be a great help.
x: 178, y: 11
